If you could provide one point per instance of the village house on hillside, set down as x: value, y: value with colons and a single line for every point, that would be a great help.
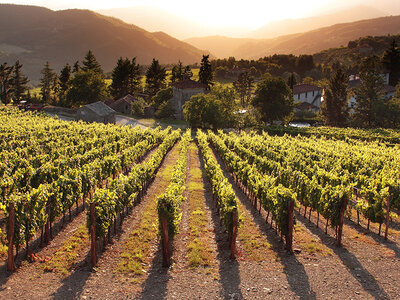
x: 309, y: 96
x: 96, y: 112
x: 182, y: 91
x: 122, y: 105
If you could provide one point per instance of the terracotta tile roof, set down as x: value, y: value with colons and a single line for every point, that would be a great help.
x: 188, y: 84
x: 305, y: 88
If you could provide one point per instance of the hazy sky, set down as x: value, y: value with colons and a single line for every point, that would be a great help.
x: 248, y: 13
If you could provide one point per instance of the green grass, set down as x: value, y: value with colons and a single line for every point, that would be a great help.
x: 200, y: 253
x: 309, y: 243
x: 64, y: 259
x: 255, y: 246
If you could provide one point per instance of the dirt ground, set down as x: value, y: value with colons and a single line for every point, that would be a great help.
x: 365, y: 267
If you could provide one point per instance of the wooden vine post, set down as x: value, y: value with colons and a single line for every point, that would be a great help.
x: 289, y: 234
x: 11, y: 219
x: 387, y: 217
x: 165, y: 241
x: 47, y: 225
x: 93, y: 250
x: 341, y: 220
x: 234, y: 233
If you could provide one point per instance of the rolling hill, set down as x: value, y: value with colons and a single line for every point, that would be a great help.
x: 291, y: 26
x: 35, y: 35
x: 300, y: 43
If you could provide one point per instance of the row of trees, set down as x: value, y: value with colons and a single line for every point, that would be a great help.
x: 13, y: 84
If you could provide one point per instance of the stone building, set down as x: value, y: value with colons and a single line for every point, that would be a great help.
x: 123, y: 105
x: 96, y: 112
x: 182, y: 91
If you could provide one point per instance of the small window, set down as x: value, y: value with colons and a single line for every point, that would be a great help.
x: 298, y: 96
x: 306, y: 94
x: 313, y: 93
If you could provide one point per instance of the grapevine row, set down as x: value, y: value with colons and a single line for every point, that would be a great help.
x: 275, y: 198
x: 222, y: 190
x: 169, y: 203
x: 107, y: 204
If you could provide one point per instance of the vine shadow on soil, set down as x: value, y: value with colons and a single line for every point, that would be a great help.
x: 73, y: 285
x: 349, y: 260
x: 155, y: 286
x: 294, y: 270
x: 376, y: 237
x: 35, y: 245
x: 228, y: 268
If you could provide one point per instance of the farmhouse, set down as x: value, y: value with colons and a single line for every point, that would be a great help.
x: 122, y: 105
x: 182, y: 91
x: 96, y: 112
x: 309, y: 94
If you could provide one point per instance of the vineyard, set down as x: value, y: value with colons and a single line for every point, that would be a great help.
x: 105, y: 211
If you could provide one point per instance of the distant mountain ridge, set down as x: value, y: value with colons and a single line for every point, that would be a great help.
x: 39, y: 34
x: 292, y: 26
x: 301, y: 43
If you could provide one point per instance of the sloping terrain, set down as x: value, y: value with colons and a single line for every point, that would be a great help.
x: 36, y: 35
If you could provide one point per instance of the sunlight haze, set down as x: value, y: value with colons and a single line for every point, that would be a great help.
x: 250, y: 14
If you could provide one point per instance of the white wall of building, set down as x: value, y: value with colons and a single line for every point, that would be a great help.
x: 314, y: 97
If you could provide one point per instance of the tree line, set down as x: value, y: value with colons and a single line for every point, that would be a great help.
x: 249, y: 101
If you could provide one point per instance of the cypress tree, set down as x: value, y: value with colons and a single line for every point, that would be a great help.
x: 334, y: 108
x: 205, y: 73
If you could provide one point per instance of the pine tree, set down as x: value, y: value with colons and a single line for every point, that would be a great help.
x: 65, y: 77
x: 120, y: 78
x: 64, y: 82
x: 6, y: 83
x: 76, y: 67
x: 155, y: 78
x: 391, y: 61
x: 244, y: 86
x: 135, y: 78
x: 125, y: 78
x: 19, y: 82
x: 47, y: 83
x: 205, y: 73
x: 90, y: 63
x: 369, y: 94
x: 188, y: 72
x: 178, y: 72
x: 334, y: 108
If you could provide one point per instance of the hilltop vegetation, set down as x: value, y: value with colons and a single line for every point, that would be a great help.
x: 355, y: 50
